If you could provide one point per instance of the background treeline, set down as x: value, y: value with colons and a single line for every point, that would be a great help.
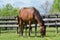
x: 55, y: 7
x: 8, y: 10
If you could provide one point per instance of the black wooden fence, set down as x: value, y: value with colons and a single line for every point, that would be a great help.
x: 52, y: 20
x: 8, y: 22
x: 49, y: 20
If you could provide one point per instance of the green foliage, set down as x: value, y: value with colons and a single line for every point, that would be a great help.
x: 8, y: 10
x: 56, y: 6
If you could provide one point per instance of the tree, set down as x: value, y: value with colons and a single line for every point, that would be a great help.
x: 45, y: 7
x: 56, y: 6
x: 9, y: 10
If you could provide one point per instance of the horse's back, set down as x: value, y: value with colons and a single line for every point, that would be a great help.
x: 26, y: 13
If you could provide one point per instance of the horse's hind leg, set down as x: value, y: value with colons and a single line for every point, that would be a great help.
x: 21, y: 31
x: 26, y: 29
x: 21, y: 28
x: 29, y: 27
x: 17, y: 30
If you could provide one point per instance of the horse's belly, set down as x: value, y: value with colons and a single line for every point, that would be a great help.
x: 27, y: 16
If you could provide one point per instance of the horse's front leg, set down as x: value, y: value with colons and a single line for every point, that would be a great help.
x: 35, y: 29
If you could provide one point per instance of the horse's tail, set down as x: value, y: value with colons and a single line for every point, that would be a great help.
x: 17, y: 18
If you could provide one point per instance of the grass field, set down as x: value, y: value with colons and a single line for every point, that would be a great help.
x: 12, y: 35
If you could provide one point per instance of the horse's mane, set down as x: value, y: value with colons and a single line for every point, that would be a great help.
x: 38, y: 15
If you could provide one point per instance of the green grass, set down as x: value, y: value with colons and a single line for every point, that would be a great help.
x: 12, y: 35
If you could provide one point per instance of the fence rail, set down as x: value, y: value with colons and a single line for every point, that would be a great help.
x: 8, y: 25
x: 50, y: 20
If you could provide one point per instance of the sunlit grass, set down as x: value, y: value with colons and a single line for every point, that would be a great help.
x: 12, y: 35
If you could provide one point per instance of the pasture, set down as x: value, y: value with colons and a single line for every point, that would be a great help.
x: 12, y: 35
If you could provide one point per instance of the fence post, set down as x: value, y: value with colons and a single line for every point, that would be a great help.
x: 0, y: 30
x: 56, y: 25
x: 6, y: 27
x: 48, y: 21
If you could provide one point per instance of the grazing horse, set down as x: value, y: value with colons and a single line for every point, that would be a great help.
x: 29, y: 15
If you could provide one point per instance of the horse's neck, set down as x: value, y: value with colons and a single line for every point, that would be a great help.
x: 39, y: 19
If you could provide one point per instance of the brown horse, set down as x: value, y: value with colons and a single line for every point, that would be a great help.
x: 29, y: 15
